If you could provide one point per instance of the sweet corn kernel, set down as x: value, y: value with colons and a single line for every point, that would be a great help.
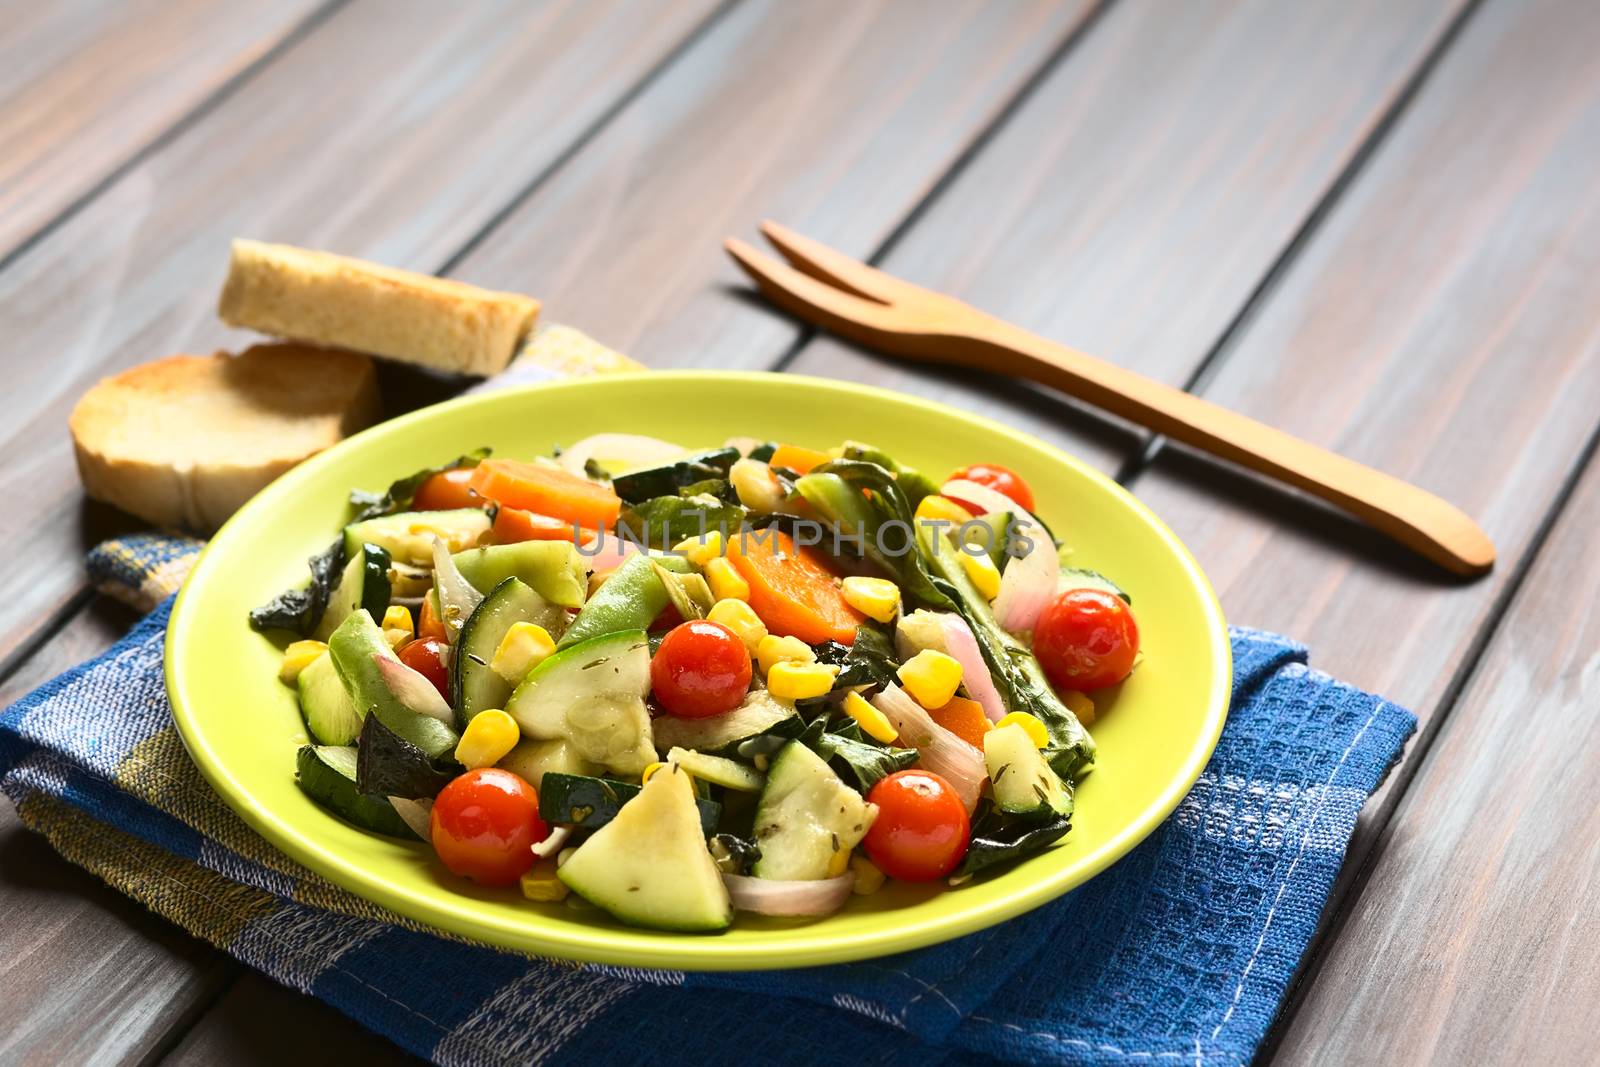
x: 942, y: 508
x: 839, y: 862
x: 398, y: 617
x: 772, y: 650
x: 741, y: 618
x: 982, y: 573
x: 297, y: 657
x: 788, y: 680
x: 397, y: 637
x: 931, y: 677
x: 522, y: 649
x: 487, y: 738
x: 1031, y: 726
x: 1080, y: 705
x: 868, y: 878
x: 701, y: 551
x: 876, y: 598
x: 541, y: 883
x: 874, y: 723
x: 726, y: 583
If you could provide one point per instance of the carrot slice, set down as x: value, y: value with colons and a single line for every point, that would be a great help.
x: 791, y: 589
x: 964, y: 718
x: 800, y: 460
x: 547, y: 490
x: 430, y: 625
x: 514, y: 524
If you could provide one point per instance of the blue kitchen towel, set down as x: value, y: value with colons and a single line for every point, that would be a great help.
x: 1181, y: 952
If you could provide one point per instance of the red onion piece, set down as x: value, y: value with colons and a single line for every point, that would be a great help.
x: 412, y: 689
x: 457, y: 596
x: 765, y: 896
x: 938, y: 750
x: 417, y: 814
x: 963, y: 647
x: 1029, y: 582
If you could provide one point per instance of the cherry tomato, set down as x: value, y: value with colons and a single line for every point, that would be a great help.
x: 484, y: 825
x: 921, y: 831
x: 445, y: 491
x: 1086, y: 639
x: 426, y: 657
x: 701, y: 669
x: 1000, y: 479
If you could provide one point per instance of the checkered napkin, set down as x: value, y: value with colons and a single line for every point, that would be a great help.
x: 1179, y: 953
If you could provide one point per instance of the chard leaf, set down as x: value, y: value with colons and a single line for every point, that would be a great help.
x: 400, y: 494
x: 854, y: 757
x: 870, y: 661
x: 1001, y: 838
x: 912, y: 482
x: 300, y: 609
x: 388, y: 765
x: 665, y: 520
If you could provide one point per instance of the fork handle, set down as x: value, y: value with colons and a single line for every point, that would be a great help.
x: 1416, y: 518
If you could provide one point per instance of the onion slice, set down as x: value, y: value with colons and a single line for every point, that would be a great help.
x: 457, y: 597
x: 412, y: 689
x: 417, y: 814
x: 629, y: 449
x: 1029, y: 582
x: 764, y: 896
x: 963, y: 647
x: 938, y: 750
x: 554, y: 842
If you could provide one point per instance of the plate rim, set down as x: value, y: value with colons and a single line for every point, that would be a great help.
x: 686, y: 953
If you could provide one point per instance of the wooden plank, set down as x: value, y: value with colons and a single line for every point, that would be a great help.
x: 837, y: 116
x: 84, y: 85
x: 1472, y: 938
x: 1135, y: 201
x: 260, y: 1022
x: 90, y: 975
x: 396, y: 130
x: 1441, y: 327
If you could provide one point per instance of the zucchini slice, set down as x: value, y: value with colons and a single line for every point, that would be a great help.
x: 718, y: 770
x: 532, y: 760
x: 760, y: 712
x: 474, y: 685
x: 806, y: 817
x: 408, y: 536
x: 332, y: 718
x: 650, y: 866
x: 1022, y: 780
x: 364, y: 584
x: 553, y: 569
x: 592, y: 694
x: 327, y: 774
x: 353, y: 646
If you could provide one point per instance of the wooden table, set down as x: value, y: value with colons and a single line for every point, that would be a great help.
x: 1374, y: 223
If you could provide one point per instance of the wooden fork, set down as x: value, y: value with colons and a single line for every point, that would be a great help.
x: 826, y: 287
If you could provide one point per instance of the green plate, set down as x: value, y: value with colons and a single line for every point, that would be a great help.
x: 242, y: 726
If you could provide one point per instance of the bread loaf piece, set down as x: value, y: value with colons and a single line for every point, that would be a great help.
x: 184, y: 441
x: 331, y: 300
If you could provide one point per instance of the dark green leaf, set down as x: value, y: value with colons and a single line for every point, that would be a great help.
x: 388, y: 765
x: 854, y: 757
x: 1001, y: 838
x: 400, y: 494
x: 913, y: 483
x: 734, y: 854
x: 665, y: 520
x: 300, y: 609
x: 764, y: 452
x: 1084, y: 578
x: 636, y: 486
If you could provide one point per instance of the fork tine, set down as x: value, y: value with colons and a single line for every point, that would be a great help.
x: 836, y: 268
x: 805, y: 297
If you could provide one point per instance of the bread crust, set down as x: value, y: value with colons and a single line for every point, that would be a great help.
x: 184, y: 441
x: 338, y: 302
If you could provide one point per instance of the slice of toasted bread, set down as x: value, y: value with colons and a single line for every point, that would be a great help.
x: 184, y: 441
x: 331, y: 300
